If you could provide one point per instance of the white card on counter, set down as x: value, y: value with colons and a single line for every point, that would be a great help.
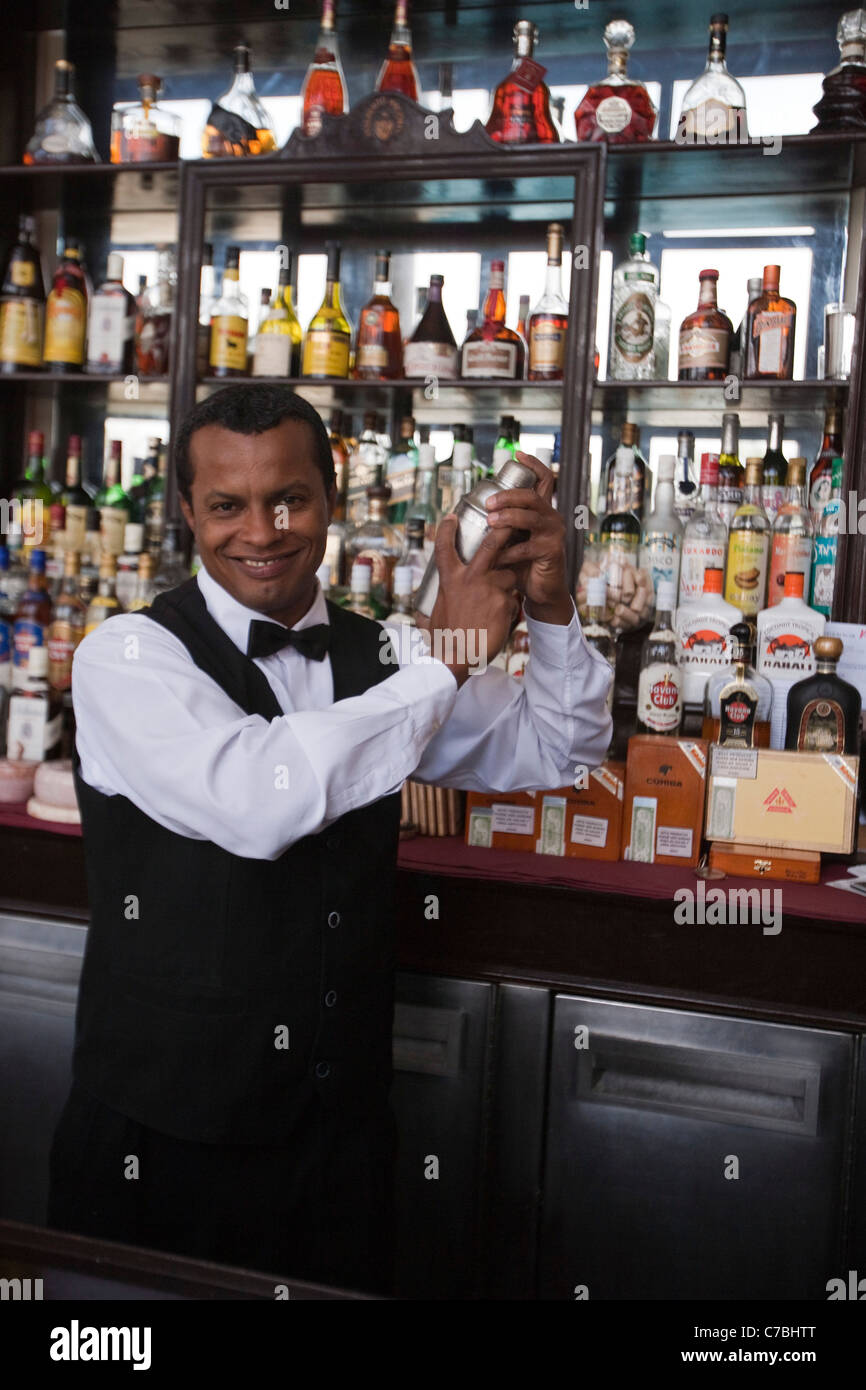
x: 735, y: 762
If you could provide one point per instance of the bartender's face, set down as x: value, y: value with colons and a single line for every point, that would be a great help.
x: 260, y: 515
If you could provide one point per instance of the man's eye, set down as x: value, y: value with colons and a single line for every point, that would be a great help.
x: 222, y: 506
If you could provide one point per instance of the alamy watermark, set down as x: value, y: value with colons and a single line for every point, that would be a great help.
x: 24, y: 516
x: 405, y: 645
x: 719, y: 907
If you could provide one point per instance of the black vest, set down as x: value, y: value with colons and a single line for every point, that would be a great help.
x: 185, y: 1009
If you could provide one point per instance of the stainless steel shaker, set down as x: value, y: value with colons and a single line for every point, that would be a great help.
x: 472, y: 517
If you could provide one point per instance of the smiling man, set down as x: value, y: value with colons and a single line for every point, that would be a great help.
x: 241, y: 747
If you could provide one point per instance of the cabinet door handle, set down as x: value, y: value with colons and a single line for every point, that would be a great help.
x: 428, y: 1040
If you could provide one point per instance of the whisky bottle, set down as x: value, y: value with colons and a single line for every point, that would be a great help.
x: 62, y: 134
x: 398, y: 72
x: 329, y: 334
x: 67, y: 626
x: 145, y: 132
x: 521, y: 102
x: 731, y: 471
x: 632, y: 316
x: 113, y: 502
x: 228, y: 325
x: 324, y: 91
x: 618, y: 109
x: 22, y: 304
x: 492, y: 349
x: 238, y: 124
x: 705, y: 336
x: 775, y: 467
x: 432, y: 351
x: 66, y: 313
x: 547, y: 325
x: 739, y: 700
x: 659, y: 692
x: 105, y: 603
x: 111, y: 323
x: 714, y: 106
x: 379, y: 344
x: 792, y: 535
x: 826, y: 538
x: 35, y: 714
x: 821, y: 473
x: 824, y: 710
x: 770, y: 323
x: 843, y: 104
x: 749, y: 548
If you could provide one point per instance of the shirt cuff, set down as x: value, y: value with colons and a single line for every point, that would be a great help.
x: 556, y: 644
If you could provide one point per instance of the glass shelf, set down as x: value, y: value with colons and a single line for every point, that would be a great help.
x: 536, y: 401
x: 689, y: 402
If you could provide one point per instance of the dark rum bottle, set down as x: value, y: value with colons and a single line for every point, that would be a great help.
x: 521, y: 102
x: 379, y: 345
x: 824, y: 710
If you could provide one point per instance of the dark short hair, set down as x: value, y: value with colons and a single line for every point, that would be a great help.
x: 252, y: 410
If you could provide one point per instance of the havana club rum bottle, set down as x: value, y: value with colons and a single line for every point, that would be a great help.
x: 705, y: 336
x: 619, y: 109
x: 547, y: 325
x: 398, y: 72
x: 324, y: 91
x: 659, y: 691
x: 521, y: 102
x: 379, y: 345
x: 491, y: 349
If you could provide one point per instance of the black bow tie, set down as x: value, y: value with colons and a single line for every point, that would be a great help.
x: 267, y: 638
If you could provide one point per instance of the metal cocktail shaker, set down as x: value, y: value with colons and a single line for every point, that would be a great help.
x: 472, y: 516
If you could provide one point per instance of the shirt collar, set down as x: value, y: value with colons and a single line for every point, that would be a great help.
x: 235, y: 619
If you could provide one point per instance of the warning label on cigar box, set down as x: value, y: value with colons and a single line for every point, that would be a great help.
x: 513, y: 820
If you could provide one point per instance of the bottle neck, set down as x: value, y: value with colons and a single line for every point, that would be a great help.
x: 332, y: 298
x: 553, y: 278
x: 401, y: 36
x: 753, y: 495
x: 774, y: 436
x: 595, y: 615
x: 708, y: 494
x: 494, y: 302
x: 716, y: 54
x: 382, y: 289
x: 425, y: 482
x: 112, y: 471
x: 707, y: 296
x: 664, y: 620
x: 34, y: 471
x: 825, y: 668
x: 617, y: 62
x: 73, y: 470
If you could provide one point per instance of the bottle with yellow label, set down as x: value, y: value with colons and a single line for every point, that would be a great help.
x: 22, y: 304
x: 229, y: 321
x: 749, y: 546
x: 104, y: 603
x: 66, y: 313
x: 329, y: 336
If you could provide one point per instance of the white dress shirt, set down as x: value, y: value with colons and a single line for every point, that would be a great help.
x: 153, y: 727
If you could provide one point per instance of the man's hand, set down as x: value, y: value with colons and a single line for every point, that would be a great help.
x: 480, y: 596
x: 538, y: 562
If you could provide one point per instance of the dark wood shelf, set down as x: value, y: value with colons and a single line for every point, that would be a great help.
x: 79, y: 378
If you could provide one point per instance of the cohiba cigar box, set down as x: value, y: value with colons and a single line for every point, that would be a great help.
x: 503, y: 820
x: 763, y: 796
x: 663, y: 813
x: 593, y: 814
x: 761, y: 861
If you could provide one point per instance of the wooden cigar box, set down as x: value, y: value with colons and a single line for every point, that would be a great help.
x: 663, y: 812
x: 593, y: 824
x: 764, y: 796
x: 762, y: 861
x: 502, y: 820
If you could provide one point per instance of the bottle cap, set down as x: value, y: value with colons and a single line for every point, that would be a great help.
x: 709, y: 470
x: 667, y: 467
x: 796, y: 475
x: 708, y: 275
x: 754, y: 472
x: 794, y: 584
x: 426, y: 456
x: 35, y: 443
x: 462, y: 457
x: 362, y: 575
x: 500, y: 456
x: 637, y: 243
x: 415, y: 527
x: 596, y: 591
x: 826, y: 648
x: 133, y: 537
x: 742, y: 634
x: 666, y: 598
x: 37, y: 662
x: 624, y: 461
x: 74, y: 445
x: 403, y: 577
x: 712, y: 581
x: 771, y: 274
x: 107, y: 565
x: 114, y: 269
x: 629, y: 434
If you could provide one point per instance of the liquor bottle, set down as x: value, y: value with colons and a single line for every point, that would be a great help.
x: 521, y: 102
x: 66, y: 313
x: 141, y: 482
x: 702, y: 626
x: 619, y: 533
x: 34, y: 495
x: 361, y: 579
x: 415, y: 555
x: 228, y: 325
x: 661, y: 540
x: 424, y: 501
x: 111, y: 323
x: 786, y: 634
x: 739, y: 700
x: 335, y: 541
x: 90, y: 554
x: 128, y: 562
x: 775, y: 467
x: 398, y: 72
x: 62, y: 134
x: 32, y: 617
x: 824, y: 710
x: 749, y: 547
x: 661, y: 341
x: 340, y: 453
x: 105, y: 603
x: 705, y: 539
x: 324, y: 91
x: 461, y: 478
x: 205, y: 309
x: 258, y: 314
x: 842, y: 106
x: 35, y: 715
x: 547, y: 325
x: 492, y: 349
x: 595, y: 629
x: 144, y: 132
x: 328, y: 338
x: 22, y: 304
x: 771, y: 321
x: 659, y: 691
x: 402, y: 610
x: 432, y: 351
x: 377, y: 540
x: 367, y: 464
x: 714, y: 106
x: 731, y: 472
x: 640, y: 492
x: 792, y: 535
x: 171, y: 568
x: 821, y: 473
x: 507, y: 438
x: 154, y: 505
x: 400, y: 473
x: 618, y: 109
x: 75, y: 499
x: 144, y: 589
x: 154, y: 318
x: 737, y: 361
x: 238, y: 124
x: 379, y: 344
x: 685, y: 487
x: 522, y: 321
x: 113, y: 503
x: 278, y: 342
x: 705, y: 336
x: 67, y: 626
x: 826, y: 537
x: 632, y: 315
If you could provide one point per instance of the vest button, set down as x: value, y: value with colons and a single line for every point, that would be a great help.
x: 322, y: 1069
x: 331, y: 998
x: 332, y: 843
x: 333, y: 919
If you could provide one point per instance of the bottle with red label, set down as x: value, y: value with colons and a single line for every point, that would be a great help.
x: 705, y: 336
x: 619, y: 109
x: 738, y: 700
x: 66, y: 313
x: 521, y: 104
x: 32, y: 617
x: 659, y: 691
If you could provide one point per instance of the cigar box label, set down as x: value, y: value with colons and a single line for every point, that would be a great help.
x: 735, y: 762
x: 481, y: 827
x: 589, y: 830
x: 675, y: 840
x: 780, y: 801
x: 513, y: 820
x: 842, y: 768
x: 609, y: 781
x: 643, y: 829
x: 722, y: 804
x: 552, y: 839
x: 696, y: 754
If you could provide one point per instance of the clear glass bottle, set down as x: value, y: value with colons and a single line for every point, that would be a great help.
x: 705, y: 539
x: 619, y: 543
x: 659, y: 691
x: 685, y: 487
x: 111, y: 323
x: 632, y: 318
x: 324, y: 91
x: 62, y: 134
x: 661, y: 540
x: 738, y: 699
x: 521, y: 103
x: 547, y: 325
x: 22, y: 303
x: 705, y: 336
x: 401, y: 603
x: 105, y: 603
x: 229, y: 320
x: 415, y: 552
x: 432, y: 351
x: 843, y: 103
x: 619, y: 108
x: 424, y: 501
x: 662, y: 341
x: 400, y: 475
x: 154, y: 318
x: 492, y: 349
x: 172, y: 569
x: 737, y: 360
x: 596, y: 630
x: 398, y: 72
x: 144, y: 132
x: 792, y: 535
x: 826, y: 539
x: 714, y: 106
x: 238, y: 123
x: 749, y: 547
x: 731, y: 472
x: 367, y: 464
x: 641, y: 492
x: 328, y: 340
x: 379, y: 343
